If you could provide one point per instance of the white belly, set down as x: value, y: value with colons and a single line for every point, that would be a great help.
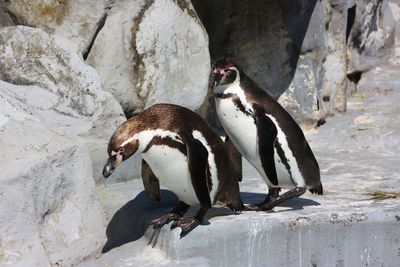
x: 171, y: 168
x: 243, y: 133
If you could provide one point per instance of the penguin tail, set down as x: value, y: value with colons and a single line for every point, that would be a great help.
x: 317, y: 190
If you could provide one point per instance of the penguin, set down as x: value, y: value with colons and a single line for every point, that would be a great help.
x: 183, y: 153
x: 265, y: 134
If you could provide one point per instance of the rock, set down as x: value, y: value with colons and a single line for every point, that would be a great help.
x: 47, y: 191
x: 55, y: 122
x: 75, y: 100
x: 318, y: 88
x: 5, y: 18
x: 151, y: 52
x: 371, y: 40
x: 76, y: 21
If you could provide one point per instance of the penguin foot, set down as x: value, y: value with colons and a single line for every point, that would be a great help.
x: 165, y: 219
x: 296, y: 192
x: 173, y: 215
x: 187, y: 224
x: 271, y: 200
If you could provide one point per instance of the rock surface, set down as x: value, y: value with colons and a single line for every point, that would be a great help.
x: 152, y: 52
x: 76, y: 21
x: 372, y: 37
x: 5, y: 18
x: 355, y: 222
x: 55, y: 122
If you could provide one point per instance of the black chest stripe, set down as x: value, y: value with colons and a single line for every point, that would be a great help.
x: 236, y: 101
x: 168, y: 141
x: 283, y: 158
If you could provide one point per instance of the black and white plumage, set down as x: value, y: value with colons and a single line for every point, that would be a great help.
x: 265, y: 134
x: 181, y: 152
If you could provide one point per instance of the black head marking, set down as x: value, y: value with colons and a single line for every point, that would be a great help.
x: 225, y: 71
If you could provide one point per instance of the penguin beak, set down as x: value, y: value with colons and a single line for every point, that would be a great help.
x: 217, y: 78
x: 109, y: 167
x: 111, y: 164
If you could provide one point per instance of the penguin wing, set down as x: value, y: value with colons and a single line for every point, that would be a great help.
x: 235, y: 157
x: 150, y: 182
x: 197, y: 156
x: 266, y: 135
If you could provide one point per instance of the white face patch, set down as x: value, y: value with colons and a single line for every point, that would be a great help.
x: 146, y: 136
x: 119, y: 160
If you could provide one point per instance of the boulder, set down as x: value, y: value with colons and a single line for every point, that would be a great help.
x: 152, y: 52
x: 55, y: 122
x: 47, y: 192
x: 371, y: 40
x: 76, y: 21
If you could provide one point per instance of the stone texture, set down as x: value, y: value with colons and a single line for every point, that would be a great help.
x: 73, y: 90
x: 5, y: 18
x: 318, y: 88
x: 371, y: 40
x: 151, y: 52
x: 55, y: 122
x: 76, y: 21
x: 47, y: 197
x: 74, y: 97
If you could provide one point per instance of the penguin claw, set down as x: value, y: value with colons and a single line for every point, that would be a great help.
x: 251, y: 207
x: 187, y: 224
x: 163, y: 220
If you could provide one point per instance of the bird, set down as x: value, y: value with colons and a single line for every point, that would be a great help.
x: 182, y: 152
x: 265, y: 134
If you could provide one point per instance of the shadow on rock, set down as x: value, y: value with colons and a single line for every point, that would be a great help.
x: 131, y: 221
x: 294, y: 203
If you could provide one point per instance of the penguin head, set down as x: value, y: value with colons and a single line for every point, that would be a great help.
x: 120, y: 148
x: 225, y: 71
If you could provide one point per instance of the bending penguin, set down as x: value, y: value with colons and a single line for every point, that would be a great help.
x: 181, y: 152
x: 265, y: 134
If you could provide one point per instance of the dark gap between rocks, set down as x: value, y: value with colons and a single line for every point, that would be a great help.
x: 85, y: 54
x: 351, y: 16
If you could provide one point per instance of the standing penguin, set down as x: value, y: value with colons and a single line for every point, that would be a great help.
x: 265, y: 134
x: 181, y: 152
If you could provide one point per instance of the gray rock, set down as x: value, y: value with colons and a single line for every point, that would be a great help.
x: 371, y: 40
x: 76, y: 21
x: 151, y: 52
x: 55, y: 122
x: 47, y: 193
x: 5, y: 18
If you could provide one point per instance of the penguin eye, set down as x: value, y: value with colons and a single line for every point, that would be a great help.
x: 227, y: 70
x: 121, y: 149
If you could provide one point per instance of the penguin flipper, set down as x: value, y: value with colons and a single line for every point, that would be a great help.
x: 266, y: 136
x: 150, y: 182
x: 197, y: 156
x: 235, y: 157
